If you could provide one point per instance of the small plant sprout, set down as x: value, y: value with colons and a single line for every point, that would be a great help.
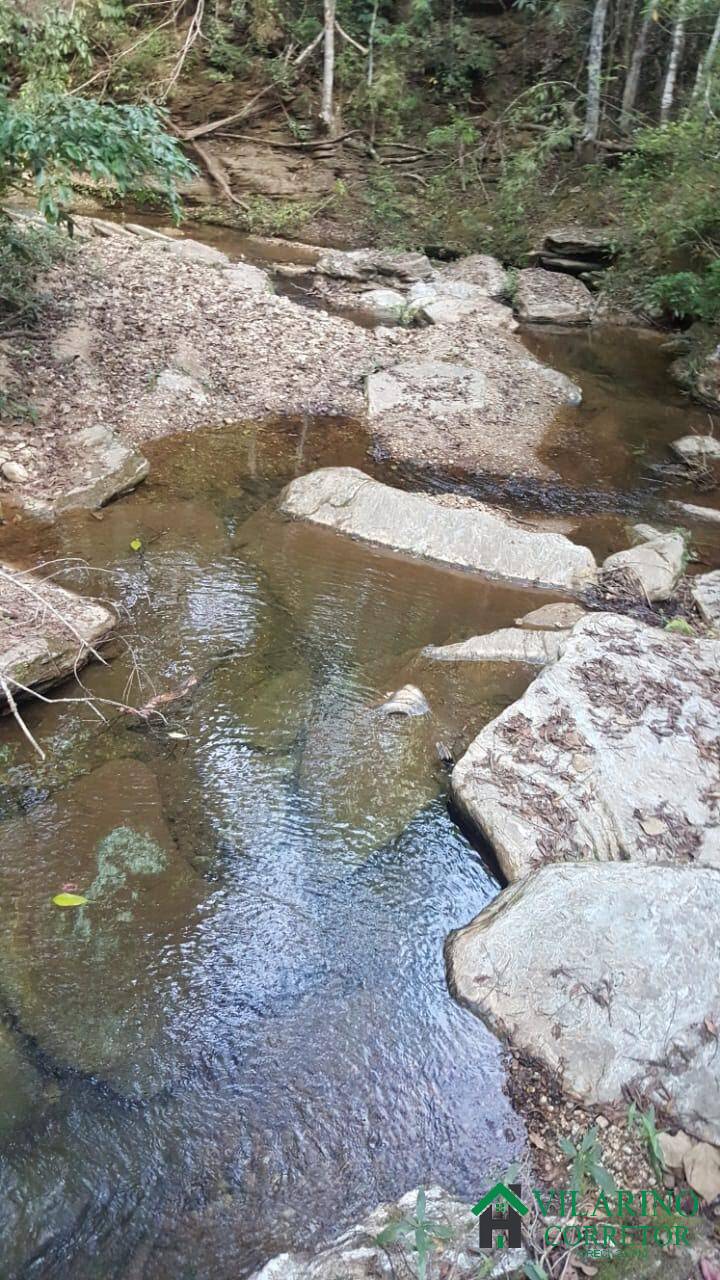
x: 643, y: 1122
x: 425, y: 1233
x: 587, y: 1164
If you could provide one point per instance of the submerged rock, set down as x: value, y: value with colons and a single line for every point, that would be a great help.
x: 408, y: 701
x: 511, y: 644
x: 99, y: 987
x: 620, y: 1007
x: 357, y: 1254
x: 547, y: 297
x: 470, y: 536
x: 609, y: 755
x: 705, y: 590
x: 652, y: 569
x: 46, y: 632
x: 21, y: 1085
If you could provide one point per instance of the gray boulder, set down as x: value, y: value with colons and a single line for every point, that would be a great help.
x: 408, y: 701
x: 196, y: 251
x: 511, y: 644
x: 706, y: 594
x: 621, y: 1003
x: 384, y: 305
x: 101, y: 988
x: 471, y: 536
x: 697, y: 450
x: 652, y: 569
x: 107, y: 469
x: 480, y: 270
x: 608, y: 756
x: 245, y: 278
x: 547, y: 297
x: 375, y: 264
x: 552, y: 617
x: 357, y: 1254
x: 46, y: 632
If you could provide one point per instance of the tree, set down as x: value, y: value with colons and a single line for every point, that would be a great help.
x: 594, y: 76
x: 673, y: 66
x: 632, y: 80
x: 706, y: 63
x: 327, y: 108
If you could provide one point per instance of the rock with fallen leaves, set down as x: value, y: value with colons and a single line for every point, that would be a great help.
x: 610, y: 755
x: 588, y: 969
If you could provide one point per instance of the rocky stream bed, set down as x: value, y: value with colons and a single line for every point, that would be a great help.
x: 384, y: 760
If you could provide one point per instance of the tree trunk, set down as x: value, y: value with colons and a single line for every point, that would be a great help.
x: 705, y: 65
x: 632, y: 82
x: 327, y: 109
x: 676, y: 52
x: 595, y: 58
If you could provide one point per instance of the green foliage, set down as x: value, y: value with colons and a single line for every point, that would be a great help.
x: 587, y: 1163
x: 688, y: 295
x: 425, y: 1233
x: 58, y: 135
x: 643, y: 1122
x: 276, y: 217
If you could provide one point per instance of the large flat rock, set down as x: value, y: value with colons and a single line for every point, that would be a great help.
x: 547, y: 297
x: 608, y: 975
x: 106, y: 468
x: 611, y: 754
x: 470, y: 536
x: 100, y: 988
x: 45, y: 631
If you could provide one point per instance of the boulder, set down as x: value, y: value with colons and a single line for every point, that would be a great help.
x: 432, y: 386
x: 408, y: 701
x: 547, y: 297
x: 511, y: 644
x: 701, y: 1166
x: 448, y: 309
x: 480, y: 270
x: 387, y: 306
x: 705, y: 588
x: 196, y: 251
x: 590, y: 242
x: 552, y: 617
x: 698, y: 513
x: 100, y: 988
x: 46, y: 632
x: 470, y: 536
x: 108, y: 468
x: 375, y: 264
x: 606, y: 974
x: 652, y: 569
x: 697, y: 450
x: 608, y: 756
x: 358, y: 1255
x: 245, y: 278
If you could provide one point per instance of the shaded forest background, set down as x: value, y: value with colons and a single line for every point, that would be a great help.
x: 455, y: 125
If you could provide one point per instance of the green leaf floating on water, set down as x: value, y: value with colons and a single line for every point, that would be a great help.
x: 136, y: 544
x: 69, y: 900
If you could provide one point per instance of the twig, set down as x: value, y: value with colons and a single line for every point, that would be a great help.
x: 13, y: 707
x: 356, y: 44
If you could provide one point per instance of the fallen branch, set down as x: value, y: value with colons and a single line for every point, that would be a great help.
x: 355, y: 43
x: 311, y: 145
x: 310, y: 49
x: 15, y: 581
x: 201, y: 130
x: 21, y: 723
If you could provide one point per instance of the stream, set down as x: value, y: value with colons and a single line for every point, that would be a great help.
x: 293, y: 1056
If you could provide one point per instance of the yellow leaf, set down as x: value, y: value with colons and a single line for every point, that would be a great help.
x: 69, y: 900
x: 136, y: 545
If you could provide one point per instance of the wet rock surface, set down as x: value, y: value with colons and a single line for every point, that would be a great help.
x: 357, y: 1254
x: 697, y: 450
x: 652, y: 570
x: 98, y: 987
x: 547, y: 297
x: 601, y: 1016
x: 609, y: 755
x: 512, y: 644
x: 469, y: 536
x: 46, y: 632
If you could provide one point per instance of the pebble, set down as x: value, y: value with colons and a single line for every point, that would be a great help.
x: 15, y: 472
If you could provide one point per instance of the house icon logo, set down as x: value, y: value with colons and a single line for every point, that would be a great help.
x: 507, y: 1224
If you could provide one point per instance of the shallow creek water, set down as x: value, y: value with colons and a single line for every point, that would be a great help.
x: 246, y: 1040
